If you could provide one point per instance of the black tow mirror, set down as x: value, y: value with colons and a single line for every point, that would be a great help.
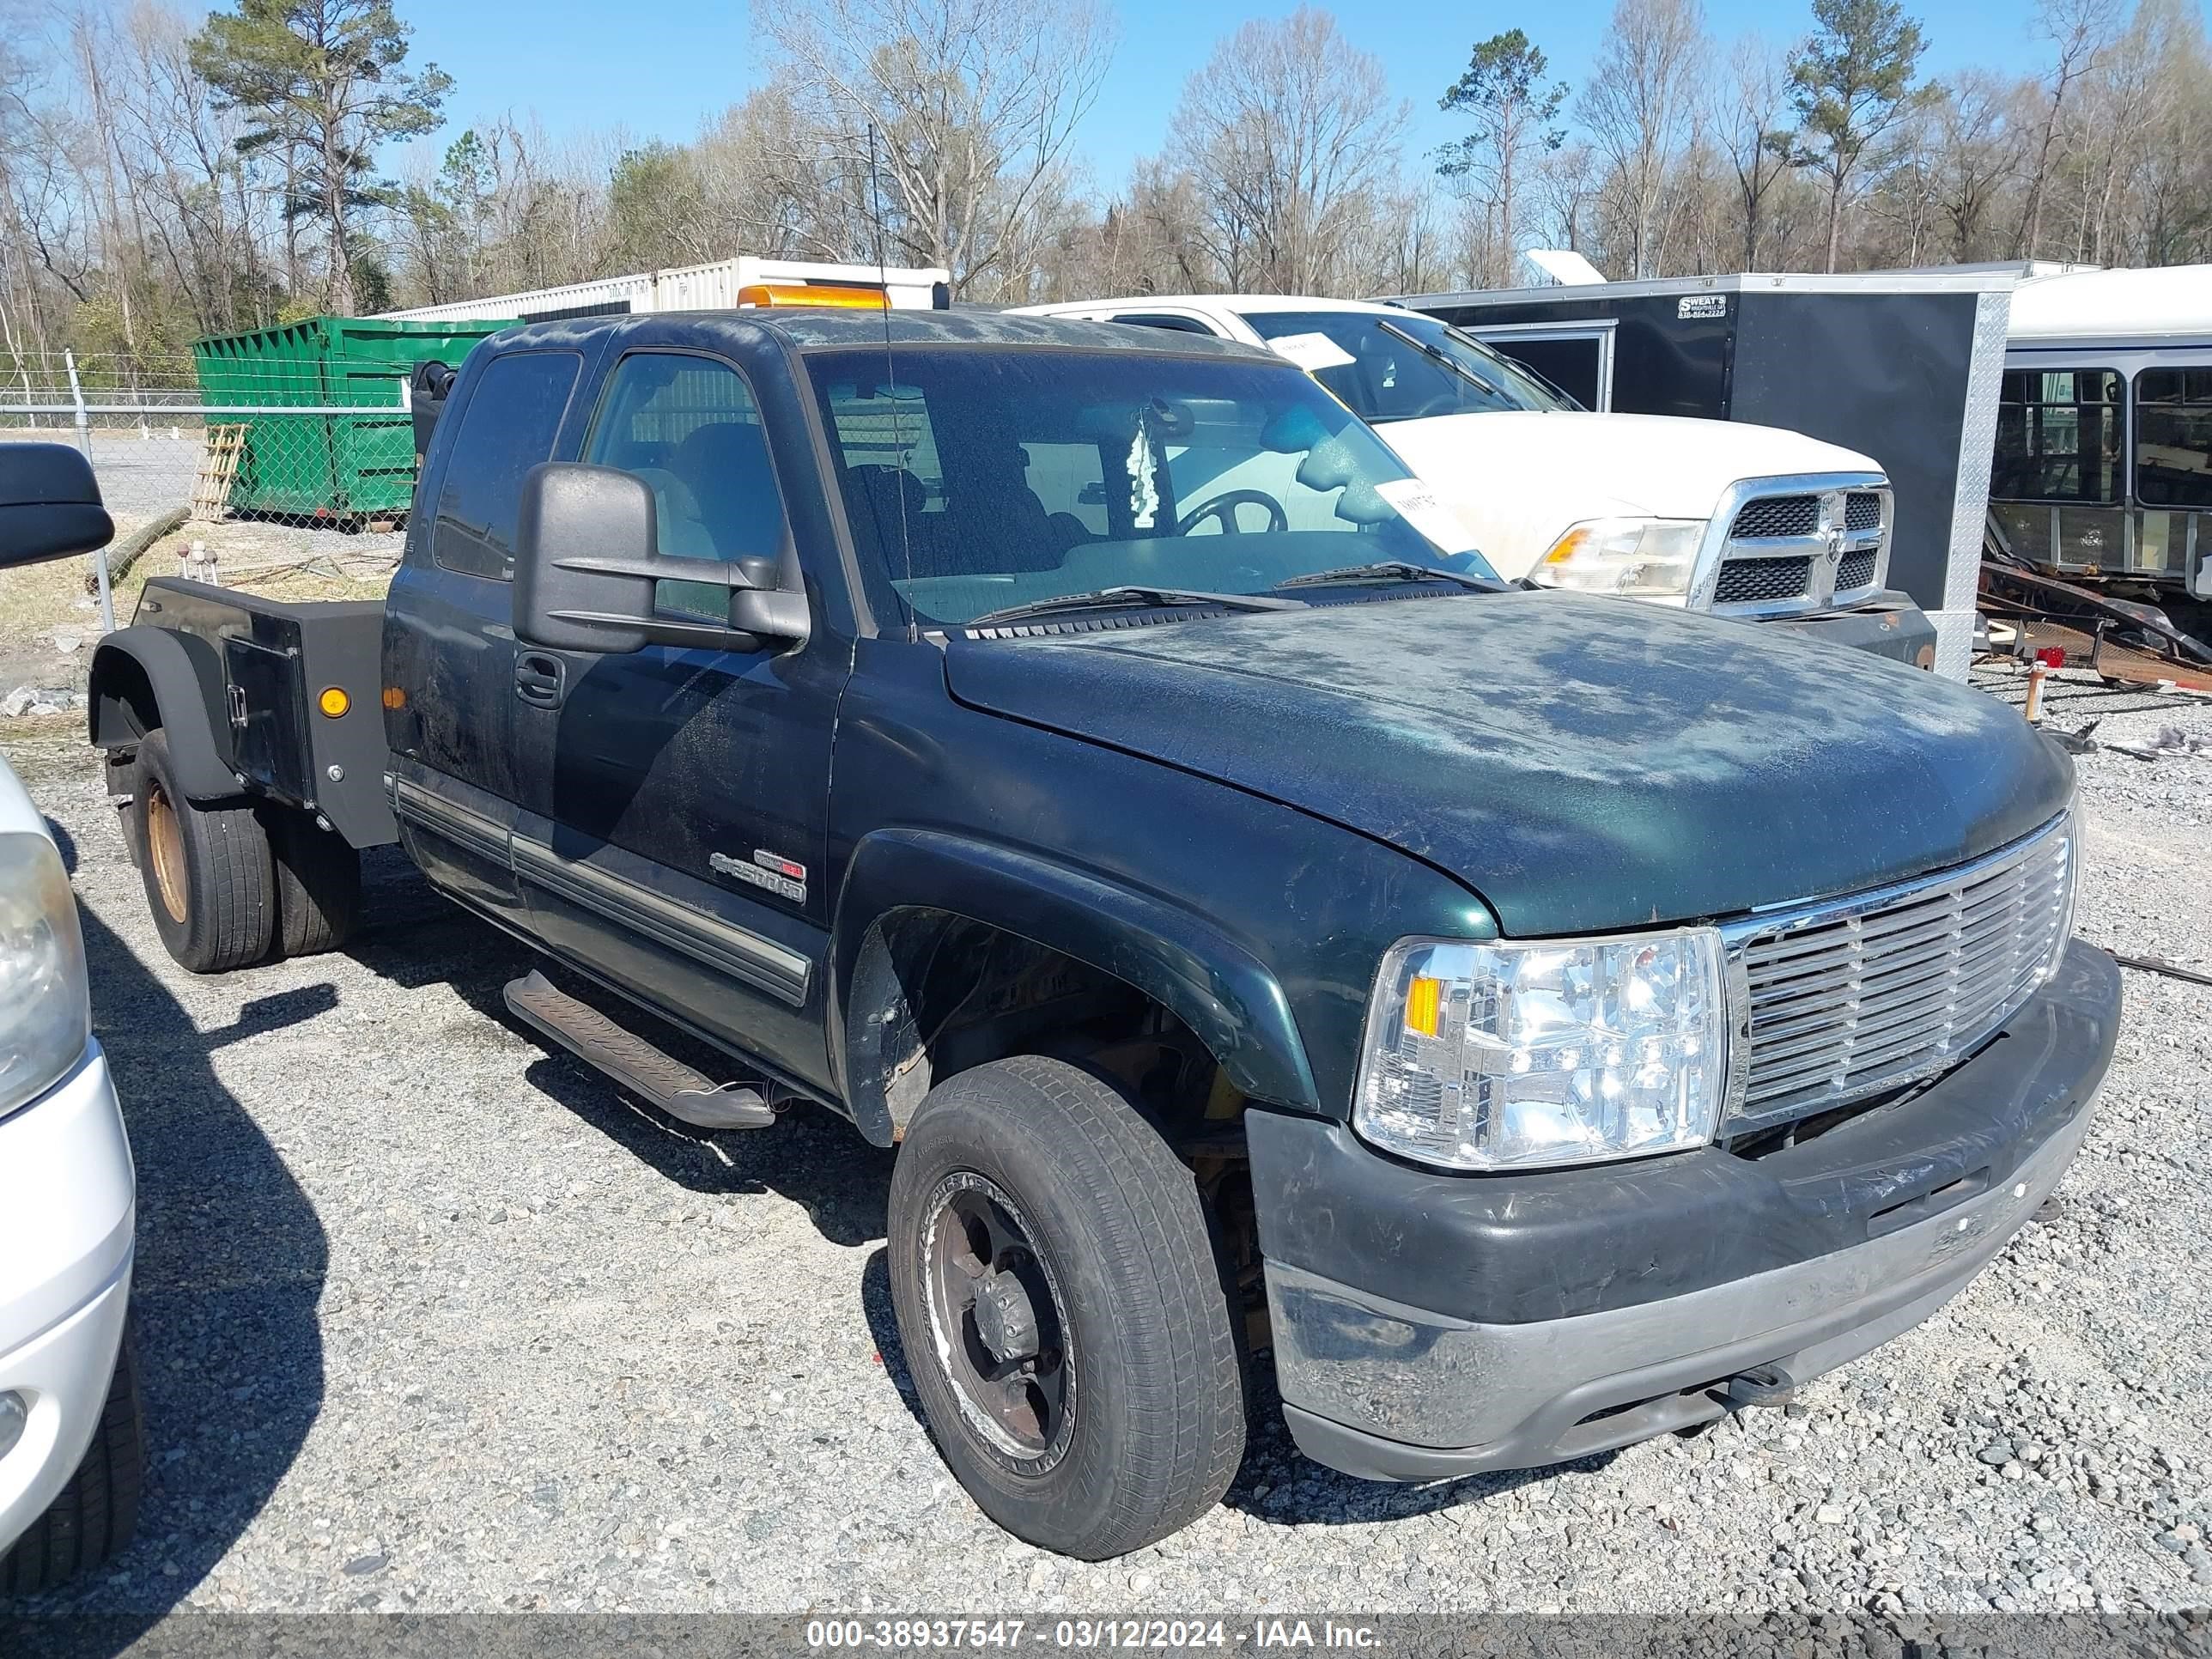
x: 50, y: 505
x: 587, y: 559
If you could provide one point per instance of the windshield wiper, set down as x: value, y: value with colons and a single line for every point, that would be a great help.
x: 1437, y: 354
x: 1401, y: 570
x: 1107, y: 598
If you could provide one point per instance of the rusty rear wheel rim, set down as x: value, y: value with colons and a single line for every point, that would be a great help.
x: 996, y: 1323
x: 165, y: 847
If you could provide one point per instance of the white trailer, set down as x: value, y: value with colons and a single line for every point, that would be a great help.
x: 723, y: 285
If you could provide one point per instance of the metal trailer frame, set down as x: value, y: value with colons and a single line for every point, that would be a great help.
x: 1906, y: 367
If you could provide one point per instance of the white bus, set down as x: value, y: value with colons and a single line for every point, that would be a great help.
x: 2103, y: 472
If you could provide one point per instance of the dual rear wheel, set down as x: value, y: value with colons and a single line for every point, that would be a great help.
x: 232, y: 884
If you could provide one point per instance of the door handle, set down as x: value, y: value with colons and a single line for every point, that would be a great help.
x: 539, y: 680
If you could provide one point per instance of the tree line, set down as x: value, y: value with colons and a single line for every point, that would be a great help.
x: 165, y: 176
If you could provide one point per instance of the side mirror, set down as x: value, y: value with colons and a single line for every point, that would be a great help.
x: 586, y: 559
x: 50, y: 505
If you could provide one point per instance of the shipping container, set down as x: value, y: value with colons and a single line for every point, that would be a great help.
x: 326, y: 462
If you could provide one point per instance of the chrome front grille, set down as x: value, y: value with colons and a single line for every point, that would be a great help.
x: 1776, y: 515
x: 1748, y: 581
x: 1857, y: 995
x: 1796, y: 549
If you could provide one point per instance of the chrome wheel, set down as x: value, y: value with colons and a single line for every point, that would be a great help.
x: 997, y: 1324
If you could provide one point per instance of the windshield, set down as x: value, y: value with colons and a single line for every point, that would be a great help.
x: 1379, y: 366
x: 976, y: 478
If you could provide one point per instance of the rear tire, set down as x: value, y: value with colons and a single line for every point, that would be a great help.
x: 209, y: 879
x: 318, y: 884
x: 96, y: 1513
x: 1098, y: 1404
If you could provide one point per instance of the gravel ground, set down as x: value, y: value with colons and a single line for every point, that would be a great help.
x: 432, y: 1320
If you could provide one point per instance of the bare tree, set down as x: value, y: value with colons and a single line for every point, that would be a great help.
x: 2079, y: 31
x: 1977, y: 158
x: 1639, y: 107
x: 1290, y: 134
x: 974, y: 103
x: 1750, y: 125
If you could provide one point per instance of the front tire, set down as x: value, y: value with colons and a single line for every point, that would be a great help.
x: 1063, y: 1309
x: 210, y: 880
x: 96, y: 1513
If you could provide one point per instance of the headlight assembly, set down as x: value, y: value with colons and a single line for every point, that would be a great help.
x: 1635, y: 558
x: 1508, y: 1055
x: 46, y: 1019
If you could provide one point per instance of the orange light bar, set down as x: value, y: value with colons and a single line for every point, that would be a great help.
x: 841, y: 296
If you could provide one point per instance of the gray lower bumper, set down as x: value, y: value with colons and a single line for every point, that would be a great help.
x: 1393, y: 1393
x: 1890, y: 625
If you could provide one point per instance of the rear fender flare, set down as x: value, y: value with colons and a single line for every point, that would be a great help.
x: 1232, y: 1002
x: 186, y: 685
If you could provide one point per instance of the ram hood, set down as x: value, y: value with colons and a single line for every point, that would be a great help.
x: 1516, y: 479
x: 1584, y: 764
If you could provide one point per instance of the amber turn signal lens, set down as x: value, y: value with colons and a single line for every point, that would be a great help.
x: 333, y: 702
x: 1425, y: 1000
x: 394, y: 697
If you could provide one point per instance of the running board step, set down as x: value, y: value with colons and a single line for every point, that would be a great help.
x: 654, y: 1075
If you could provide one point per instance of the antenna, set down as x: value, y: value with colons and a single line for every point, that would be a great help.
x: 890, y: 376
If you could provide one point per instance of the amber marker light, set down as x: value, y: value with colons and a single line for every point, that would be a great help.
x: 334, y: 701
x: 1425, y: 1001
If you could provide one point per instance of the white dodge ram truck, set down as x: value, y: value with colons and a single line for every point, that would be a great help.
x: 1739, y: 520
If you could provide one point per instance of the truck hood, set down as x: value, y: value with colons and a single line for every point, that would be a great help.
x: 1584, y: 764
x: 1520, y: 477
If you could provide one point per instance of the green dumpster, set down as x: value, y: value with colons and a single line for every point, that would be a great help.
x: 319, y: 463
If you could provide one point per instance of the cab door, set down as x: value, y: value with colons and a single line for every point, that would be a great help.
x: 676, y: 802
x: 449, y: 649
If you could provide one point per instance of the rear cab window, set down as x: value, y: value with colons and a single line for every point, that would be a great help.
x: 510, y: 424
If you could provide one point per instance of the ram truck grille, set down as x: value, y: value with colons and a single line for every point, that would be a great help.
x: 1801, y: 550
x: 1849, y: 997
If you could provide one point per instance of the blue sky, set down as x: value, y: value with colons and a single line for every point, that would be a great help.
x: 656, y: 73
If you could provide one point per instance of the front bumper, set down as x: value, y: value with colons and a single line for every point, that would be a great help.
x: 1590, y: 1309
x: 67, y: 1217
x: 1888, y: 625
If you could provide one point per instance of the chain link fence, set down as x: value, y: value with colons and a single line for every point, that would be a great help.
x: 237, y: 469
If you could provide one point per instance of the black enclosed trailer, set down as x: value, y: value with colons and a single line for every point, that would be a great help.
x: 1906, y: 369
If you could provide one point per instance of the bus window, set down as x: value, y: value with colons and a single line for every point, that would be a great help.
x: 2059, y: 436
x: 2173, y: 437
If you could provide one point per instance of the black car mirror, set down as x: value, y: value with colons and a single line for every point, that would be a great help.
x: 50, y: 505
x: 587, y: 563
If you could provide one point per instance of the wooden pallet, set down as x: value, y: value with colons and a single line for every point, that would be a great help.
x: 226, y: 446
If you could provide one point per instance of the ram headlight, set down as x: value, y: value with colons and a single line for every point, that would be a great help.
x: 44, y: 1018
x: 1509, y: 1056
x: 1635, y: 558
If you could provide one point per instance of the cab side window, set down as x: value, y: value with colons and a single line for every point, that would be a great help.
x: 509, y: 426
x: 690, y: 427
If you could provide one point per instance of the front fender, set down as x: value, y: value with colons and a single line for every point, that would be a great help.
x: 144, y: 678
x: 1232, y: 1003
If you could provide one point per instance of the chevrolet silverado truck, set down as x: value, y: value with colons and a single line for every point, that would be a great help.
x: 1531, y: 1022
x: 1725, y: 517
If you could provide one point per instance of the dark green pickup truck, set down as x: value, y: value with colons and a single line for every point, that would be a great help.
x: 1530, y: 1022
